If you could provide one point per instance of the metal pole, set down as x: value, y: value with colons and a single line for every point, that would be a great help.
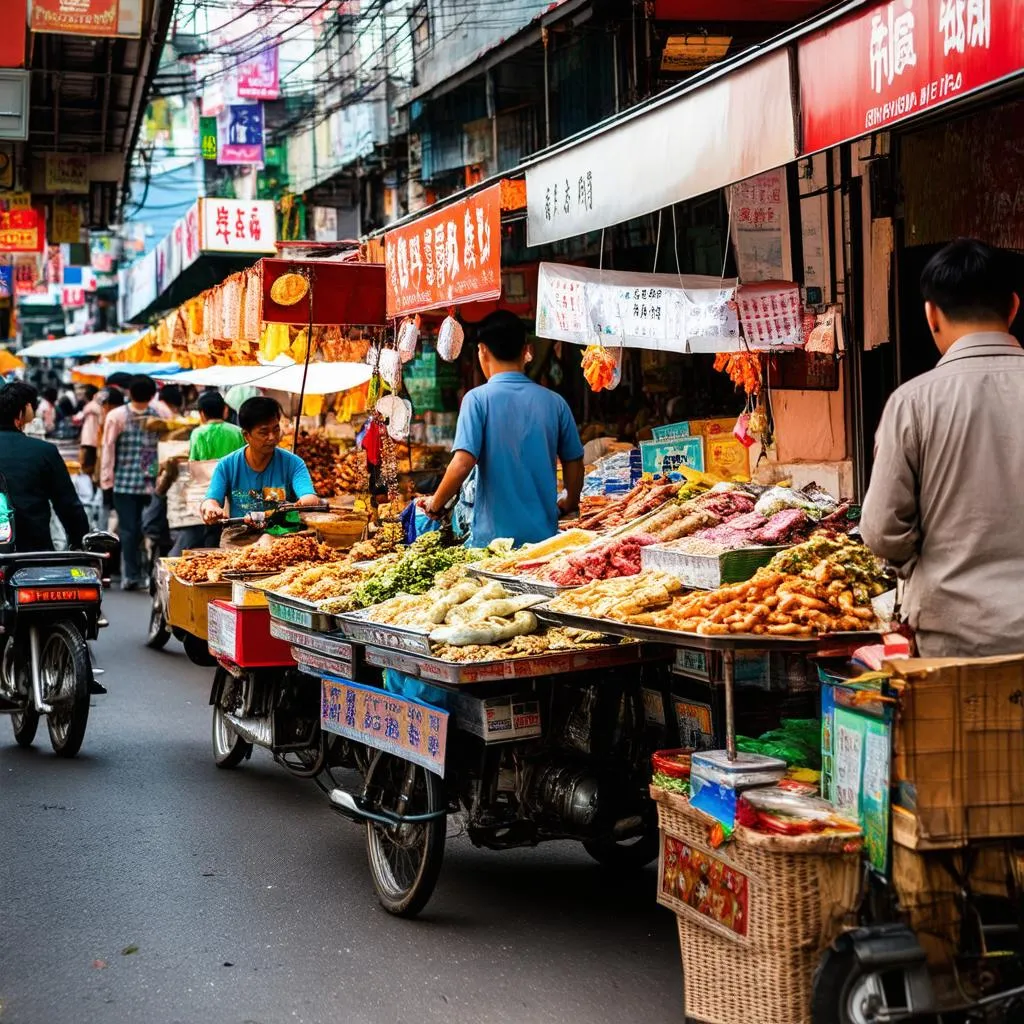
x: 305, y: 368
x: 729, y: 681
x: 544, y: 33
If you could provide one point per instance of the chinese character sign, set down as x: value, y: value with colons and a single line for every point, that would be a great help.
x: 67, y: 172
x: 759, y: 215
x: 21, y: 231
x: 259, y: 78
x: 233, y: 225
x: 902, y: 58
x: 240, y: 134
x: 662, y: 312
x: 407, y: 728
x: 446, y: 258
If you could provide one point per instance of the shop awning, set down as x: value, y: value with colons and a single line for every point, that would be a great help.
x: 323, y: 378
x: 101, y: 344
x: 103, y: 370
x: 721, y: 131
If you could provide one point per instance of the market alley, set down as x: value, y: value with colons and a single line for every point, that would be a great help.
x: 141, y: 884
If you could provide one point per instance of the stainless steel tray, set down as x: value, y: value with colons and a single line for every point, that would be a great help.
x: 314, y: 664
x: 358, y: 627
x: 520, y: 584
x: 330, y: 645
x: 677, y: 638
x: 462, y: 673
x: 300, y: 613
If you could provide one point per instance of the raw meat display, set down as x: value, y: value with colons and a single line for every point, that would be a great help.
x: 618, y: 557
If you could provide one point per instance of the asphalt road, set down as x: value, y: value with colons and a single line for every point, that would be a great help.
x: 140, y: 884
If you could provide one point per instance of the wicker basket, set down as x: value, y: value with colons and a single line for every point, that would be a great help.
x: 754, y: 915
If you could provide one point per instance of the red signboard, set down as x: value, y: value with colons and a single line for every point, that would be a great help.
x: 446, y: 258
x: 12, y: 43
x: 259, y: 78
x: 899, y: 59
x: 342, y: 293
x: 22, y: 231
x: 77, y: 17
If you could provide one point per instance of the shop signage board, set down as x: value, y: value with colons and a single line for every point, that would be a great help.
x: 897, y: 60
x: 447, y: 257
x: 66, y: 223
x: 662, y: 312
x: 67, y: 172
x: 259, y: 78
x: 12, y: 44
x: 240, y: 134
x: 22, y: 231
x: 407, y: 728
x: 721, y: 132
x: 208, y: 137
x: 78, y: 17
x: 237, y: 226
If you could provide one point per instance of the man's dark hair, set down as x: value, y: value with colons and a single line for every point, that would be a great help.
x: 969, y: 281
x: 142, y: 389
x: 211, y: 405
x: 115, y: 397
x: 504, y: 335
x: 257, y: 411
x: 90, y: 391
x: 50, y: 394
x: 13, y: 400
x: 171, y: 394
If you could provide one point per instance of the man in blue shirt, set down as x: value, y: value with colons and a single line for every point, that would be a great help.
x: 259, y: 473
x: 513, y: 431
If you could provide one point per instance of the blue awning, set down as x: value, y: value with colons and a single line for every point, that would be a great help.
x: 100, y: 344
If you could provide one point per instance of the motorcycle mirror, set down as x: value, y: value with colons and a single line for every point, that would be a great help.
x: 101, y: 542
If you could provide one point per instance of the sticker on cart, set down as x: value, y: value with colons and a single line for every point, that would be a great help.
x: 222, y: 631
x: 703, y: 883
x: 406, y: 728
x: 654, y: 706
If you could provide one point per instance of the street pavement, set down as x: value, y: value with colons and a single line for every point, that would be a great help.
x: 139, y: 884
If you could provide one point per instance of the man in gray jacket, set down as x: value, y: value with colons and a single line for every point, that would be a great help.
x: 946, y: 499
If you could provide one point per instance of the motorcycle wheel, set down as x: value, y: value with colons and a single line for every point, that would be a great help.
x: 66, y: 674
x: 24, y: 723
x: 229, y: 749
x: 405, y: 860
x: 159, y: 632
x: 626, y: 854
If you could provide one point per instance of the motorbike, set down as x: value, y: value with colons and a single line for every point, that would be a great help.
x: 584, y: 776
x: 49, y: 609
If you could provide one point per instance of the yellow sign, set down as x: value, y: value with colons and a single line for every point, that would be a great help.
x: 66, y: 225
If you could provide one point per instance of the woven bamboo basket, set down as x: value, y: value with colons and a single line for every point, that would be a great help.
x: 754, y: 915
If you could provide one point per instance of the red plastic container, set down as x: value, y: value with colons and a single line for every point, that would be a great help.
x: 242, y: 635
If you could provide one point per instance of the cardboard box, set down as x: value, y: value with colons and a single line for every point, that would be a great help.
x: 959, y: 747
x: 726, y: 457
x: 496, y: 719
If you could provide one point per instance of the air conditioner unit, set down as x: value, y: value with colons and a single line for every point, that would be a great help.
x: 14, y: 104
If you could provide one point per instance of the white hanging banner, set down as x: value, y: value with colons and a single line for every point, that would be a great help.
x: 662, y: 312
x: 720, y: 132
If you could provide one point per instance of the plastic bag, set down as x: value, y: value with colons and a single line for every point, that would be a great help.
x: 398, y: 413
x: 450, y: 336
x: 778, y: 498
x: 390, y: 367
x: 408, y: 336
x: 600, y: 368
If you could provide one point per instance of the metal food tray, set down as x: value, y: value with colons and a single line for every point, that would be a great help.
x: 314, y: 664
x: 455, y: 673
x: 241, y: 574
x: 677, y: 638
x: 358, y: 626
x: 329, y: 645
x: 520, y: 584
x: 304, y: 614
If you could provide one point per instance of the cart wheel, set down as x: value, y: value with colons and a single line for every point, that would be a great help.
x: 25, y: 724
x: 158, y: 633
x: 405, y: 860
x: 229, y: 749
x: 198, y: 651
x: 626, y: 854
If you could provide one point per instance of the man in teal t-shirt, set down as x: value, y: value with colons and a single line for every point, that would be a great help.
x: 215, y: 438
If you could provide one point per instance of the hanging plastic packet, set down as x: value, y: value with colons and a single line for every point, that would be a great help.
x: 398, y: 413
x: 599, y: 368
x: 390, y: 367
x: 450, y: 336
x: 408, y: 336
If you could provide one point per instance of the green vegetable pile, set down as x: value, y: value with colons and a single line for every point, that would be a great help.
x: 415, y: 571
x: 797, y: 741
x: 671, y: 783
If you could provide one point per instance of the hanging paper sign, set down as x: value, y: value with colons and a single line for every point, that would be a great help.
x: 446, y: 258
x: 26, y: 273
x: 771, y: 315
x: 67, y: 172
x: 662, y: 312
x: 21, y: 231
x: 66, y: 223
x: 240, y: 134
x: 259, y: 79
x: 759, y: 213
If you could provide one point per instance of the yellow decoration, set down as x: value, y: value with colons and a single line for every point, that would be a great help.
x: 289, y: 289
x: 299, y: 347
x: 312, y: 405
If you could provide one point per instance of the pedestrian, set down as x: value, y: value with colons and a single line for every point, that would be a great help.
x: 47, y: 411
x: 513, y: 432
x: 215, y: 437
x: 945, y: 503
x: 89, y: 421
x: 128, y: 468
x: 170, y: 402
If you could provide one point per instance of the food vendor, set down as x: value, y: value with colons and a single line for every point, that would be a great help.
x: 512, y: 431
x: 260, y: 475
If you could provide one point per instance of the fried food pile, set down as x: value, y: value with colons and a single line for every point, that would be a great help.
x: 822, y: 586
x: 268, y: 554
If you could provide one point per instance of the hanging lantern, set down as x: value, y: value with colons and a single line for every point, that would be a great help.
x: 449, y: 339
x: 408, y: 336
